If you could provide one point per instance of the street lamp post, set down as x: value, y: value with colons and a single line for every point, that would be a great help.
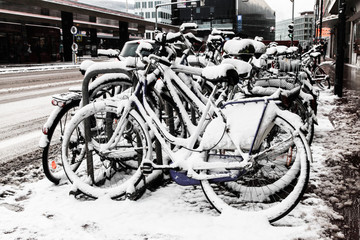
x: 340, y: 51
x: 292, y: 19
x: 321, y: 18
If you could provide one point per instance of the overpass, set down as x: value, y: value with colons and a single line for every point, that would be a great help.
x: 119, y: 23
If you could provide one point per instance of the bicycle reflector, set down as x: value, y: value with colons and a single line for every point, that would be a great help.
x: 45, y: 130
x: 58, y: 103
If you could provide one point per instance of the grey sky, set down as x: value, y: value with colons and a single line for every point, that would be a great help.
x: 283, y: 8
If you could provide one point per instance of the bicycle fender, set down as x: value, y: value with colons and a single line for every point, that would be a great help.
x: 44, y: 139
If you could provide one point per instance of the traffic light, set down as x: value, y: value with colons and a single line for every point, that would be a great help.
x: 291, y: 30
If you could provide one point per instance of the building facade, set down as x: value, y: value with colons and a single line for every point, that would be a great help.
x: 329, y: 20
x: 40, y: 31
x: 246, y: 19
x: 303, y: 29
x: 146, y: 9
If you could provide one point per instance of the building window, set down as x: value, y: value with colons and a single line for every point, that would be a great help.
x: 151, y: 4
x: 143, y: 5
x: 153, y: 14
x: 147, y: 15
x: 137, y: 4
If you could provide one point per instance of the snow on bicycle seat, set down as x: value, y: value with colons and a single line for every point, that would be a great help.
x: 220, y: 73
x: 237, y: 47
x: 85, y: 65
x: 281, y: 49
x: 289, y: 51
x: 315, y: 54
x: 243, y: 68
x: 271, y: 51
x: 76, y: 89
x: 294, y: 48
x: 260, y: 48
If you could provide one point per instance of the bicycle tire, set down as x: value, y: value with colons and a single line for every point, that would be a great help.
x: 325, y: 82
x: 52, y: 167
x: 273, y: 198
x: 299, y: 107
x: 115, y: 175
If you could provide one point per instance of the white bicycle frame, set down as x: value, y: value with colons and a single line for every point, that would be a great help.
x: 179, y: 161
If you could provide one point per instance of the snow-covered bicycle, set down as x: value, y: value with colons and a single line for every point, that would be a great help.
x: 247, y: 154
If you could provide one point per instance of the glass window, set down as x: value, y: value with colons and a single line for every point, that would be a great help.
x: 143, y: 4
x: 151, y: 4
x: 147, y: 15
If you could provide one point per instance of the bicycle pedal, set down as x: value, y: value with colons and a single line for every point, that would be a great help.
x: 75, y: 193
x: 147, y: 168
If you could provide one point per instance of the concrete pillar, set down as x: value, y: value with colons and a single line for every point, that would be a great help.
x: 93, y: 42
x: 67, y: 23
x: 123, y: 33
x: 141, y: 30
x: 340, y: 51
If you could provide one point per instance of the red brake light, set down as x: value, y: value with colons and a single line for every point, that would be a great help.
x: 54, y: 102
x: 45, y: 130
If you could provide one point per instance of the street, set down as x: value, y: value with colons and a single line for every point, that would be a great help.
x: 25, y: 104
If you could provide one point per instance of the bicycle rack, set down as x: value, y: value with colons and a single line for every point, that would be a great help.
x: 93, y: 71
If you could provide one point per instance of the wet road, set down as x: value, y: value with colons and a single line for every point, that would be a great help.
x: 25, y: 104
x: 350, y: 169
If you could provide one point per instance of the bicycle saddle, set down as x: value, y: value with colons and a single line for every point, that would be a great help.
x: 315, y: 54
x: 221, y: 73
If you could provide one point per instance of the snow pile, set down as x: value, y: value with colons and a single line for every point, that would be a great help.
x: 108, y: 52
x: 37, y: 68
x: 43, y: 211
x: 36, y: 209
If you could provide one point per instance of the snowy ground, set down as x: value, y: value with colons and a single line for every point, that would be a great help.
x: 33, y: 208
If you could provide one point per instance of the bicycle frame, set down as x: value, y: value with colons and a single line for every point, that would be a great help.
x: 209, y: 111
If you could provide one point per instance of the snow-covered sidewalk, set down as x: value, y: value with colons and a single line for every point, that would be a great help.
x: 32, y: 209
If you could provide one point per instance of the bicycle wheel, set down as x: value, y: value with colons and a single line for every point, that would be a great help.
x: 299, y: 107
x: 113, y: 173
x: 321, y: 78
x: 51, y: 156
x: 276, y: 181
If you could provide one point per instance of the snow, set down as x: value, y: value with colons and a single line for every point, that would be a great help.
x: 163, y: 214
x: 281, y: 49
x: 6, y: 70
x: 37, y: 209
x: 271, y: 51
x: 242, y: 46
x: 108, y: 52
x: 188, y: 26
x: 216, y: 72
x: 240, y: 66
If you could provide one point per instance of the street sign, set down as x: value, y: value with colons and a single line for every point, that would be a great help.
x: 239, y: 23
x: 73, y: 30
x: 74, y: 47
